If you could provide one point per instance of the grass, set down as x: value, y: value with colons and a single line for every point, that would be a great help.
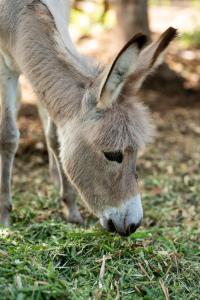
x: 42, y: 257
x: 191, y: 39
x: 57, y: 261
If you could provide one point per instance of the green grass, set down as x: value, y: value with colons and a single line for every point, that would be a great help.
x: 57, y: 261
x: 54, y: 260
x: 191, y: 39
x: 42, y: 257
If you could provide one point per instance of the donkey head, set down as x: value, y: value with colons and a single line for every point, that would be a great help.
x: 100, y: 145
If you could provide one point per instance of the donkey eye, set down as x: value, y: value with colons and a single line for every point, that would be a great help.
x: 114, y: 156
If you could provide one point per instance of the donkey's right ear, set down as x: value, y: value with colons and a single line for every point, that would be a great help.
x: 123, y: 66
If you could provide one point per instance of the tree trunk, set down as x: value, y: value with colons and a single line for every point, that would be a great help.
x: 132, y: 17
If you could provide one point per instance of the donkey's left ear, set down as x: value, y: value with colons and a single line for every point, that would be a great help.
x: 123, y: 66
x: 131, y: 67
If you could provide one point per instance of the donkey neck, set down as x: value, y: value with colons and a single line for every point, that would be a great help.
x: 58, y: 84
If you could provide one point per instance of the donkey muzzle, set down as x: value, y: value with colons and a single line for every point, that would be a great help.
x: 124, y: 219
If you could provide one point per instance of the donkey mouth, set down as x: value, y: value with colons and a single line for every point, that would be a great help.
x: 124, y: 219
x: 126, y: 232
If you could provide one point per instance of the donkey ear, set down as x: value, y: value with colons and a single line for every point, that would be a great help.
x: 123, y: 66
x: 150, y: 58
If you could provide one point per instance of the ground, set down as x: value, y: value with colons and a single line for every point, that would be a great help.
x: 43, y: 257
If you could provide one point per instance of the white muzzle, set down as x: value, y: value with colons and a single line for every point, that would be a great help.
x: 124, y: 219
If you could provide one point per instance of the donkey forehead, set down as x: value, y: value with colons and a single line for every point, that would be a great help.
x: 121, y: 127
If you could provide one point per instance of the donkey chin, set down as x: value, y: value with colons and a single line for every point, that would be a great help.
x: 125, y: 218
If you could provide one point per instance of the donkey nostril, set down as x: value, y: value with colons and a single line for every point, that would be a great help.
x: 132, y: 228
x: 111, y: 226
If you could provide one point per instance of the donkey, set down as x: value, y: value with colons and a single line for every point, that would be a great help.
x: 94, y: 126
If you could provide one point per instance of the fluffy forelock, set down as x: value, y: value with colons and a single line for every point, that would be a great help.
x: 125, y: 125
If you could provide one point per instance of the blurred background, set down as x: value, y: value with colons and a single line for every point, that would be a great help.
x: 100, y: 28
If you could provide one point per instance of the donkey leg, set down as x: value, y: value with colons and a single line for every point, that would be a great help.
x: 53, y: 169
x: 9, y: 136
x: 67, y: 194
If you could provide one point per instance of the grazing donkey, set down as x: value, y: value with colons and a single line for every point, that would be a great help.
x: 93, y: 116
